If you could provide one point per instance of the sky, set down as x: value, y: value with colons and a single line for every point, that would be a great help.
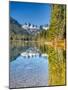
x: 34, y: 13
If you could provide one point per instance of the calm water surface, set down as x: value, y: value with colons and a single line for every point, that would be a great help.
x: 34, y: 65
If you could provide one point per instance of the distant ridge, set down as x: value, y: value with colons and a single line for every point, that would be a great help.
x: 16, y: 28
x: 28, y: 29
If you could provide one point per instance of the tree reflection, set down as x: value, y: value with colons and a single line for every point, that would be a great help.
x: 56, y: 59
x: 57, y: 64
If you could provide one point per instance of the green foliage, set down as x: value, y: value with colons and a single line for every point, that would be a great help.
x: 56, y: 67
x: 56, y: 58
x: 57, y: 28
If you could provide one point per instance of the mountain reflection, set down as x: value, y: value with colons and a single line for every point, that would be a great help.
x: 25, y: 49
x: 51, y: 61
x: 33, y: 52
x: 30, y: 68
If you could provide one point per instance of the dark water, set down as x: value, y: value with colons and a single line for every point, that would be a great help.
x: 32, y: 64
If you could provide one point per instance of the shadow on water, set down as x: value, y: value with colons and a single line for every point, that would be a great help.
x: 41, y: 65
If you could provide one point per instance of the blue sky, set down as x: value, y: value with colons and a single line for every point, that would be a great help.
x: 34, y: 13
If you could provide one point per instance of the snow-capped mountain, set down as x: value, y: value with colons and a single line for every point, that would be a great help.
x: 32, y: 29
x: 45, y: 27
x: 26, y: 26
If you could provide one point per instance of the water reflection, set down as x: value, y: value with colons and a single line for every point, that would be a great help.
x: 33, y: 64
x: 33, y: 52
x: 29, y: 69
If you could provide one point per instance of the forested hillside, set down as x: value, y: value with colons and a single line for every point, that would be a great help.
x: 17, y: 32
x: 57, y: 27
x: 55, y: 33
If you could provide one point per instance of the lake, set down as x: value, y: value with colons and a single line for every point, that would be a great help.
x: 33, y: 64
